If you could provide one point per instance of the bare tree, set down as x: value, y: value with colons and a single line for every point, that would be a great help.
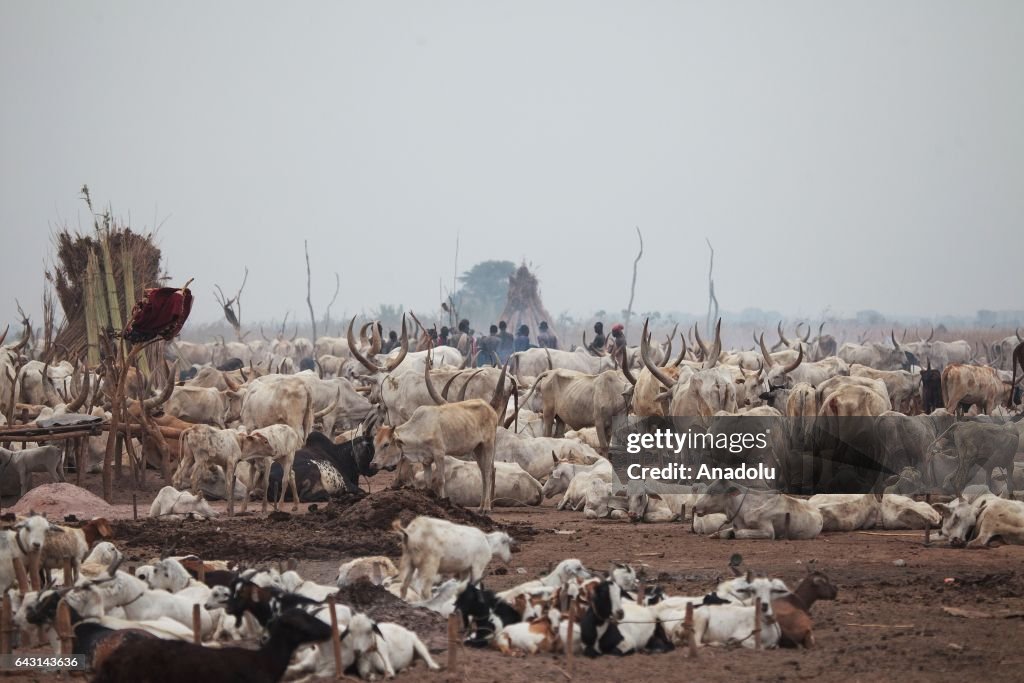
x: 327, y: 311
x: 309, y: 298
x: 712, y: 299
x: 632, y: 287
x: 233, y: 306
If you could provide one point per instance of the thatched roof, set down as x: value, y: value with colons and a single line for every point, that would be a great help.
x: 524, y: 305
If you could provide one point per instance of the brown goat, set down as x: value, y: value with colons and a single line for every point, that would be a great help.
x: 793, y: 611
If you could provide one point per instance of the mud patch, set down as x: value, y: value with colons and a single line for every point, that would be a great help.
x: 349, y: 526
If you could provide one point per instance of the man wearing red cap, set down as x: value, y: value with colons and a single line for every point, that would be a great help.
x: 618, y: 339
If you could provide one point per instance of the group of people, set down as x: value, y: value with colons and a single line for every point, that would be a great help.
x: 498, y: 344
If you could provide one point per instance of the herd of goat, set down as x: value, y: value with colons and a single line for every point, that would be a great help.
x: 126, y: 623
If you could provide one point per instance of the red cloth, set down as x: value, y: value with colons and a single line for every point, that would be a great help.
x: 161, y: 313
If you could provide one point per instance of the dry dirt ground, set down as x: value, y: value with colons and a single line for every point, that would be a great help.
x: 888, y: 622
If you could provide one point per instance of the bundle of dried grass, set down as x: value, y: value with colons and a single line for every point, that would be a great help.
x: 524, y: 306
x: 97, y: 271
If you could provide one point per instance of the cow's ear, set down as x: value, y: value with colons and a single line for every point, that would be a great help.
x: 398, y: 442
x: 376, y: 629
x: 942, y: 509
x: 732, y: 491
x: 554, y: 457
x: 655, y: 496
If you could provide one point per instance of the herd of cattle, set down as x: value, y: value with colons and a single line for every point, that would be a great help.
x: 305, y: 420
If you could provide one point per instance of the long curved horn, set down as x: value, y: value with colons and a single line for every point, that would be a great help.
x: 764, y: 352
x: 319, y: 369
x: 153, y: 403
x: 465, y: 387
x: 295, y: 334
x: 896, y: 344
x: 932, y: 335
x: 782, y: 337
x: 437, y: 398
x: 700, y: 342
x: 668, y: 350
x: 803, y: 338
x: 448, y: 385
x: 467, y: 362
x: 624, y: 363
x: 83, y: 391
x: 372, y: 367
x: 716, y: 348
x: 820, y: 328
x: 4, y: 335
x: 49, y: 394
x: 1017, y: 332
x: 658, y: 373
x: 551, y: 365
x: 403, y: 351
x: 263, y: 334
x: 364, y: 341
x: 682, y: 352
x: 24, y: 339
x: 499, y: 398
x: 799, y: 359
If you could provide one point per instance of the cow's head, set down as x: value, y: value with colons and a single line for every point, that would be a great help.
x: 958, y: 520
x: 232, y: 401
x: 254, y: 445
x: 715, y: 498
x: 387, y: 447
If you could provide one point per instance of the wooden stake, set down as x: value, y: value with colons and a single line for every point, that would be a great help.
x: 453, y: 641
x: 64, y: 630
x: 5, y: 625
x: 197, y: 625
x: 688, y: 632
x: 335, y: 638
x: 69, y: 573
x: 927, y: 534
x: 757, y: 623
x: 787, y: 526
x: 201, y: 572
x: 135, y: 507
x: 81, y: 456
x: 21, y: 574
x: 682, y: 512
x: 35, y: 560
x: 569, y: 633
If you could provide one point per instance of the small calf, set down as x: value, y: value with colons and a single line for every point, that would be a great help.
x: 73, y: 545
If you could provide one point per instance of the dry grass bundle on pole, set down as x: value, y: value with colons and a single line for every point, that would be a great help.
x: 95, y: 271
x: 524, y: 306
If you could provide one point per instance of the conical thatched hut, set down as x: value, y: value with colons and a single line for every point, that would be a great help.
x: 524, y: 306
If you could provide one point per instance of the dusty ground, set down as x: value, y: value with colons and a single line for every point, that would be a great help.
x: 888, y: 622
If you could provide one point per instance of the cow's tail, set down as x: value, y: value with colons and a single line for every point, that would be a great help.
x: 307, y: 416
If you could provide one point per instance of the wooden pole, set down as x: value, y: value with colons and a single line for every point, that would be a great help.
x: 135, y: 507
x: 453, y: 641
x: 688, y: 632
x: 21, y: 574
x: 5, y: 625
x: 569, y: 633
x: 201, y: 572
x: 35, y: 559
x: 927, y: 534
x: 787, y: 526
x: 757, y: 623
x: 335, y: 638
x: 197, y: 625
x: 69, y: 572
x: 64, y: 631
x: 81, y: 457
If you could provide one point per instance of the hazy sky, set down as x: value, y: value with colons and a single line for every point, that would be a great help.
x: 863, y: 154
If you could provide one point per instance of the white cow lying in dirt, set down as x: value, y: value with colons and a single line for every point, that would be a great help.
x: 574, y: 480
x: 513, y: 486
x: 760, y: 514
x: 170, y: 501
x: 986, y: 519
